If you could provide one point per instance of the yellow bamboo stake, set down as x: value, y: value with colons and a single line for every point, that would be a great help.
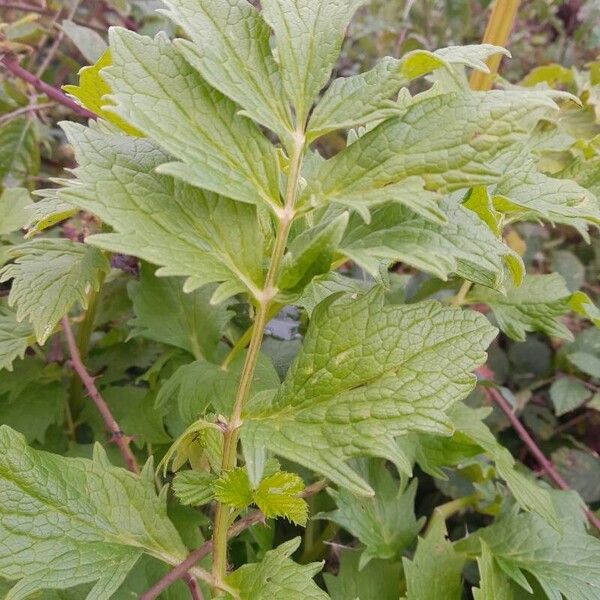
x: 497, y: 33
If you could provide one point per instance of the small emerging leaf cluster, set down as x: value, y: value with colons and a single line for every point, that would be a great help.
x: 208, y: 168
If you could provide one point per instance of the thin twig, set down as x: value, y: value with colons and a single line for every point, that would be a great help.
x: 120, y: 440
x: 193, y: 586
x: 25, y: 109
x: 256, y: 516
x: 12, y: 65
x: 526, y: 438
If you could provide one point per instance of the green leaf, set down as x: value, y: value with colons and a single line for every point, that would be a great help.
x: 231, y: 50
x: 186, y: 231
x: 48, y: 277
x: 47, y: 212
x: 587, y: 363
x: 570, y: 267
x: 92, y: 91
x: 464, y: 245
x: 324, y: 286
x: 277, y: 495
x: 364, y: 98
x: 32, y: 411
x: 386, y: 523
x: 19, y: 151
x: 410, y: 145
x: 379, y: 580
x: 15, y: 337
x: 388, y: 370
x: 156, y: 90
x: 276, y: 576
x: 89, y: 42
x: 478, y: 200
x: 493, y: 584
x: 563, y: 563
x: 165, y: 313
x: 311, y: 253
x: 13, y: 209
x: 63, y: 521
x: 583, y: 306
x: 194, y: 488
x: 308, y: 38
x: 529, y: 495
x: 435, y: 570
x: 525, y: 193
x: 581, y: 471
x: 534, y: 306
x: 234, y: 488
x: 200, y: 385
x: 567, y: 394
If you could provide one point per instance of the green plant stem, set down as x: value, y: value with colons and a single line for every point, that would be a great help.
x: 318, y: 546
x: 459, y: 299
x: 445, y: 511
x: 265, y: 302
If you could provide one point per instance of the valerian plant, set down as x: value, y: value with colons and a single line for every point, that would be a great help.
x: 205, y: 164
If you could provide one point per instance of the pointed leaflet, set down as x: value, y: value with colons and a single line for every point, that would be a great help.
x: 566, y: 563
x: 48, y: 277
x: 386, y: 523
x: 156, y: 89
x: 92, y: 91
x: 67, y: 521
x: 534, y: 306
x: 493, y: 583
x: 230, y: 47
x: 277, y: 576
x: 435, y: 570
x: 449, y: 140
x: 186, y: 231
x: 379, y: 580
x: 194, y: 488
x: 464, y: 245
x: 523, y: 192
x: 47, y: 212
x: 367, y: 373
x: 308, y: 38
x: 165, y: 313
x: 15, y: 337
x: 367, y: 97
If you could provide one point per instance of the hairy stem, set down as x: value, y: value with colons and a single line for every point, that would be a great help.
x: 11, y: 64
x: 535, y: 450
x: 120, y: 440
x: 231, y: 436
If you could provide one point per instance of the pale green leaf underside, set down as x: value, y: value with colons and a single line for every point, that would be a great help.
x: 156, y: 90
x: 476, y: 128
x: 536, y: 305
x: 230, y: 47
x: 366, y: 374
x: 493, y: 584
x: 48, y: 277
x: 464, y: 245
x: 67, y: 521
x: 277, y: 576
x: 563, y: 563
x: 368, y: 97
x: 184, y: 230
x: 308, y: 38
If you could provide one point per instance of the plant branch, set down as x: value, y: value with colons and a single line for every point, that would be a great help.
x: 193, y: 586
x: 526, y: 438
x: 256, y: 516
x: 121, y: 441
x: 24, y: 110
x: 11, y: 64
x: 231, y: 435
